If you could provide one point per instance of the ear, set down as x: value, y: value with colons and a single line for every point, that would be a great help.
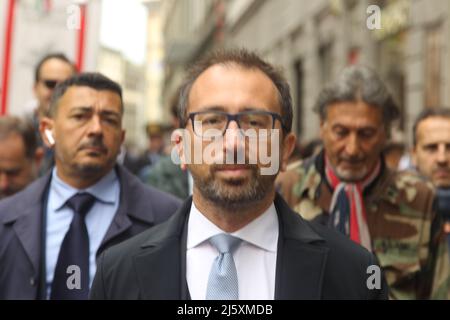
x: 180, y: 138
x: 288, y: 147
x: 47, y: 123
x: 322, y: 128
x: 38, y: 156
x: 122, y: 136
x: 413, y: 154
x: 35, y: 88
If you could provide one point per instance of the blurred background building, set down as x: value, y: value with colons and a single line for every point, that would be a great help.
x: 311, y: 40
x: 29, y: 29
x: 314, y: 40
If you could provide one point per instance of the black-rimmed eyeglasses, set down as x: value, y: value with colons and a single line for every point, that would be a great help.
x: 210, y: 124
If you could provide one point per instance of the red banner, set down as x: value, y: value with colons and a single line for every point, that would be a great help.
x: 7, y: 55
x: 81, y: 39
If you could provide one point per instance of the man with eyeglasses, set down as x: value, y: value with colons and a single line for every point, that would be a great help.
x: 51, y: 69
x: 235, y: 238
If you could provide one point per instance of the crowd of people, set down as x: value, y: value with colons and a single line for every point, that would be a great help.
x: 82, y: 218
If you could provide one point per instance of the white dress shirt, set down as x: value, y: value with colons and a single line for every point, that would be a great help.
x: 59, y: 217
x: 255, y: 258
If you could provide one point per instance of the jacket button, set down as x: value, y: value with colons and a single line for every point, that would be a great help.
x: 32, y: 282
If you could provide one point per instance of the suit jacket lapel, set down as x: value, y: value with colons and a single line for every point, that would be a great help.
x: 126, y: 209
x: 185, y: 295
x: 28, y: 219
x: 300, y: 264
x: 158, y: 271
x: 27, y: 229
x: 120, y: 224
x: 161, y: 267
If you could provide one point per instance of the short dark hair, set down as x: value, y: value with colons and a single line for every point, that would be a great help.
x: 428, y: 113
x: 56, y: 55
x: 242, y: 58
x: 174, y: 102
x: 358, y: 83
x: 14, y: 125
x: 92, y: 80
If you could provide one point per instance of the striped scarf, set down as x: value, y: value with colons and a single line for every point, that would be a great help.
x: 348, y: 214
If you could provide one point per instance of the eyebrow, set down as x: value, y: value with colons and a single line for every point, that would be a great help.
x: 211, y: 108
x: 220, y: 108
x: 339, y: 125
x: 427, y: 144
x: 81, y: 108
x: 11, y: 170
x: 90, y: 109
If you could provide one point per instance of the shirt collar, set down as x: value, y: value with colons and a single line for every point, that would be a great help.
x: 103, y: 190
x: 261, y: 232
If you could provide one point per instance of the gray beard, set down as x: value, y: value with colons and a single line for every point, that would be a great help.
x: 240, y: 196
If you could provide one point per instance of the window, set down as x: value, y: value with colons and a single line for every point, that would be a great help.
x: 433, y: 65
x: 298, y: 107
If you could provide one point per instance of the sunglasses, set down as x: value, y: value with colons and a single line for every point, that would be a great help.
x: 50, y: 84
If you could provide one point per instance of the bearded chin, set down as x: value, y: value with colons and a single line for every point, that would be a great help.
x: 351, y: 176
x: 87, y: 170
x: 235, y: 193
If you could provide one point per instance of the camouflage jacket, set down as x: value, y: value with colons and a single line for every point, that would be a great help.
x: 168, y: 177
x: 406, y: 234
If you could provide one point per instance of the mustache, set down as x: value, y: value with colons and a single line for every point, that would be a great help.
x: 216, y: 167
x: 352, y: 159
x: 94, y: 143
x: 441, y: 169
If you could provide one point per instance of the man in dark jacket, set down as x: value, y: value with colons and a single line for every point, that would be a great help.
x: 235, y: 238
x: 52, y: 232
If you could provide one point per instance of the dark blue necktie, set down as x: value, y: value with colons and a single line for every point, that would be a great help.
x: 71, y: 278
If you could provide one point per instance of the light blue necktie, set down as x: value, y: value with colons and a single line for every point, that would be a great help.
x: 223, y: 281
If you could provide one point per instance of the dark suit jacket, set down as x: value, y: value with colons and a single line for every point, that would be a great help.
x: 21, y: 231
x: 313, y: 262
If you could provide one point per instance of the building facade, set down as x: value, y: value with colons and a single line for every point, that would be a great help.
x: 313, y: 40
x: 30, y: 29
x: 131, y: 77
x: 190, y: 29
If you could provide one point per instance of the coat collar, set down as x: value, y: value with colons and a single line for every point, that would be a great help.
x: 164, y: 252
x: 130, y: 206
x: 300, y: 260
x: 27, y: 215
x: 301, y: 257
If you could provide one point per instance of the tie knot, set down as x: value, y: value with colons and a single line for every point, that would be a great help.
x: 81, y: 202
x: 225, y: 243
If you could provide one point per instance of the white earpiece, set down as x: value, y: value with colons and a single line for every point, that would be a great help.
x: 49, y: 136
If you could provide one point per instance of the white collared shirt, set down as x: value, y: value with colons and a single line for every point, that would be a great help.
x: 255, y: 258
